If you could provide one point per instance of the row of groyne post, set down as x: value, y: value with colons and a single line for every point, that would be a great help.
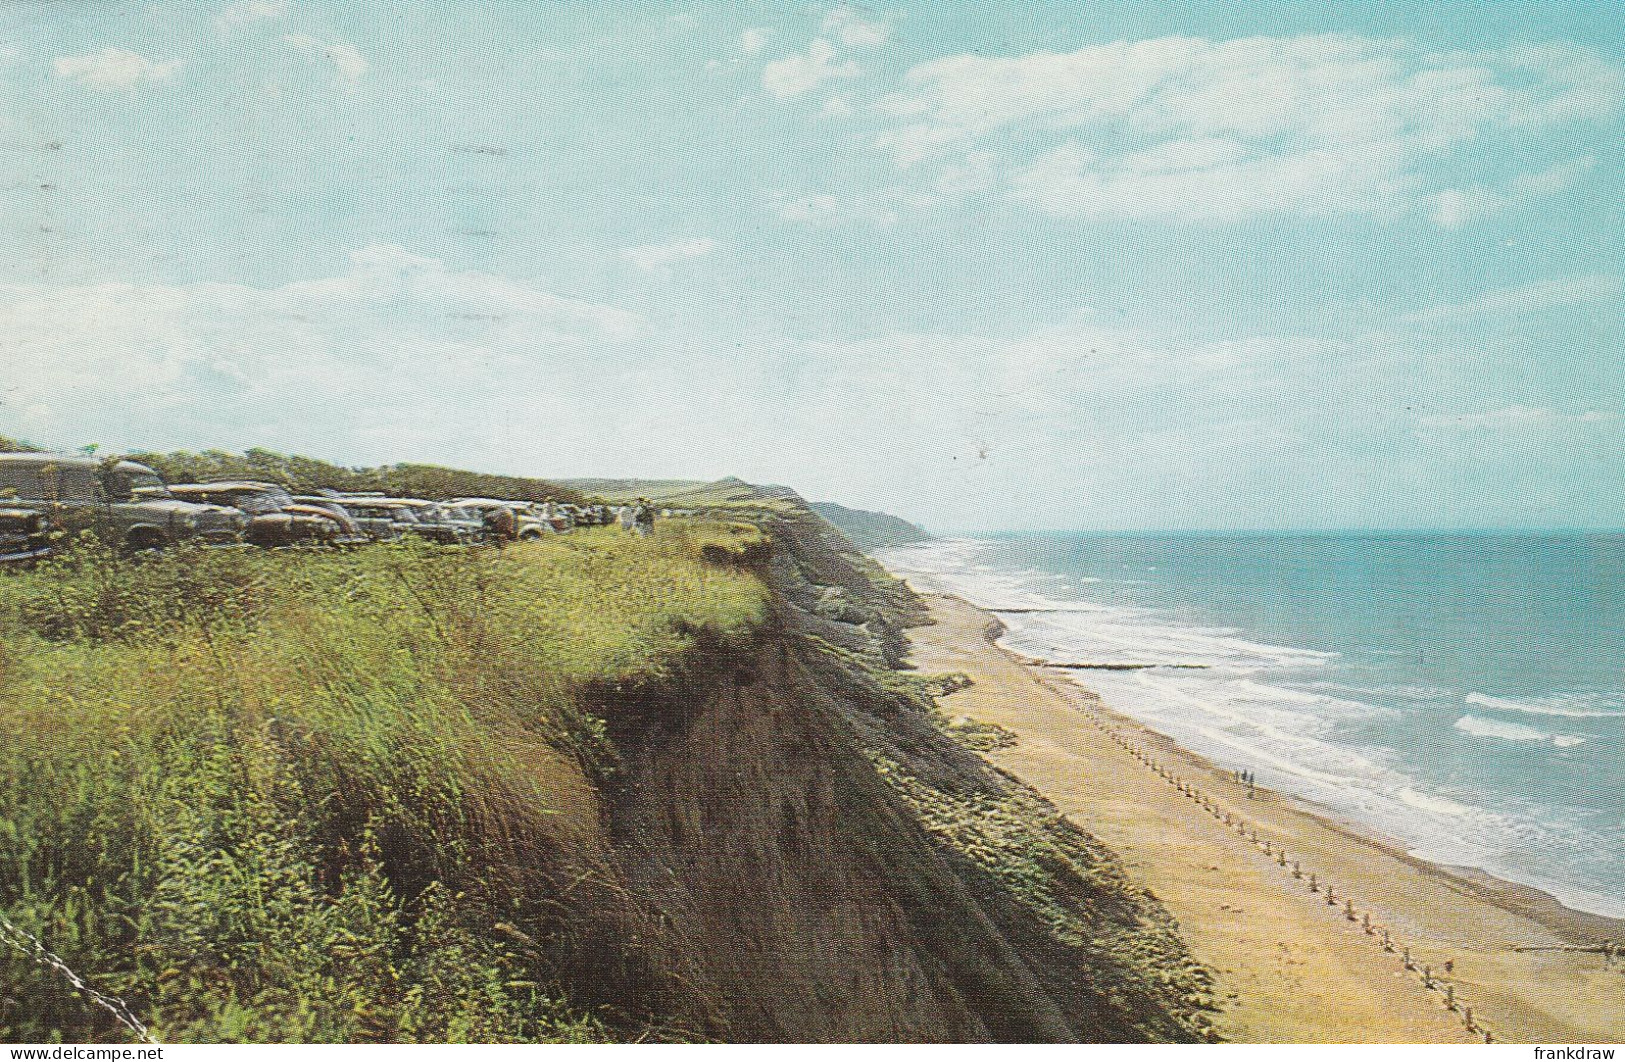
x: 1433, y: 978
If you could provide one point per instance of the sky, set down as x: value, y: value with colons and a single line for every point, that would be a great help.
x: 1070, y: 265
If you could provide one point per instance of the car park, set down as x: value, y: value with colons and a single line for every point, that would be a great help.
x: 274, y: 518
x: 415, y: 516
x: 126, y: 503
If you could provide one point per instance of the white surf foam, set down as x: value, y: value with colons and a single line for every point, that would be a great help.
x: 1569, y: 709
x: 1480, y: 727
x: 1258, y: 706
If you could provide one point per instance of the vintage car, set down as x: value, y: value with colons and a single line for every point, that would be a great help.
x: 25, y: 535
x: 470, y: 523
x: 123, y: 502
x: 437, y: 524
x: 351, y: 533
x: 414, y: 515
x: 357, y: 521
x: 526, y: 523
x: 274, y: 518
x: 384, y: 519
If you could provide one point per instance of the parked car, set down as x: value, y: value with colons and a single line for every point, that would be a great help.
x: 274, y: 518
x: 415, y: 515
x: 527, y: 524
x: 351, y: 533
x: 433, y: 523
x: 124, y: 502
x: 357, y: 524
x: 385, y: 519
x: 25, y: 535
x: 470, y: 523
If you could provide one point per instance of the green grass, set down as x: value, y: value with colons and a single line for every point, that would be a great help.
x: 331, y: 797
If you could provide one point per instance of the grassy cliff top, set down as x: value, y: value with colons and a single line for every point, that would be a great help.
x: 299, y: 796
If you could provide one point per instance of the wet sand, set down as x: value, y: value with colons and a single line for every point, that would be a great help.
x: 1290, y: 967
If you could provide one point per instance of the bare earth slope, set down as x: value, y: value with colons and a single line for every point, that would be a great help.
x: 822, y: 861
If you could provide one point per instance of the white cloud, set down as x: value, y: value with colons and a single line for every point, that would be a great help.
x: 396, y: 356
x: 854, y: 31
x: 394, y: 351
x: 1457, y: 207
x: 348, y: 62
x: 660, y: 257
x: 752, y: 41
x: 1074, y: 182
x: 1193, y: 130
x: 1527, y: 298
x: 1516, y: 418
x: 837, y: 106
x: 797, y: 75
x: 250, y: 11
x: 113, y: 68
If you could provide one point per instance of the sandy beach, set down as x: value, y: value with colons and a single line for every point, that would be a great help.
x: 1291, y: 967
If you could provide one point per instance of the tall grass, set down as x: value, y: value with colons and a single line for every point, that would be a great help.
x: 322, y: 797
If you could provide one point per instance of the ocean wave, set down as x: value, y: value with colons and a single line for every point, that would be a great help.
x: 1480, y: 727
x: 1433, y: 803
x: 1566, y: 710
x: 1398, y: 690
x: 1304, y: 722
x: 1112, y: 632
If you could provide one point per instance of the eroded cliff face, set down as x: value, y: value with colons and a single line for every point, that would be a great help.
x: 787, y: 874
x: 804, y: 845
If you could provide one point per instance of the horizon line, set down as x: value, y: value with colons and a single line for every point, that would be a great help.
x: 1278, y: 532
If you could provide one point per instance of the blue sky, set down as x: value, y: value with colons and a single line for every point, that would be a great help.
x: 1043, y: 265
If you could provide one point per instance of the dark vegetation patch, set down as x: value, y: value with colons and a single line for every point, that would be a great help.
x: 305, y: 475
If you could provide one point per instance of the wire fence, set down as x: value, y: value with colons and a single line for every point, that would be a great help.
x: 30, y: 945
x: 1275, y: 851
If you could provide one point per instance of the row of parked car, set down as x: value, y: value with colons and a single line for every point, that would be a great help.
x: 44, y: 495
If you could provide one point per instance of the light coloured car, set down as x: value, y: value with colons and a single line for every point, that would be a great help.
x: 274, y: 518
x: 527, y: 524
x: 124, y: 502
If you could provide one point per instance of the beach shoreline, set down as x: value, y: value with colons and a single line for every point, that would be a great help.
x: 1575, y: 927
x: 1315, y: 969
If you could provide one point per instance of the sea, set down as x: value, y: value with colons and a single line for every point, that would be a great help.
x: 1462, y: 694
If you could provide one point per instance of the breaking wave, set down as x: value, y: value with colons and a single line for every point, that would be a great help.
x: 1360, y: 738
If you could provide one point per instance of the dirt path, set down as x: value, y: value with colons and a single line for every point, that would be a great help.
x: 1290, y: 966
